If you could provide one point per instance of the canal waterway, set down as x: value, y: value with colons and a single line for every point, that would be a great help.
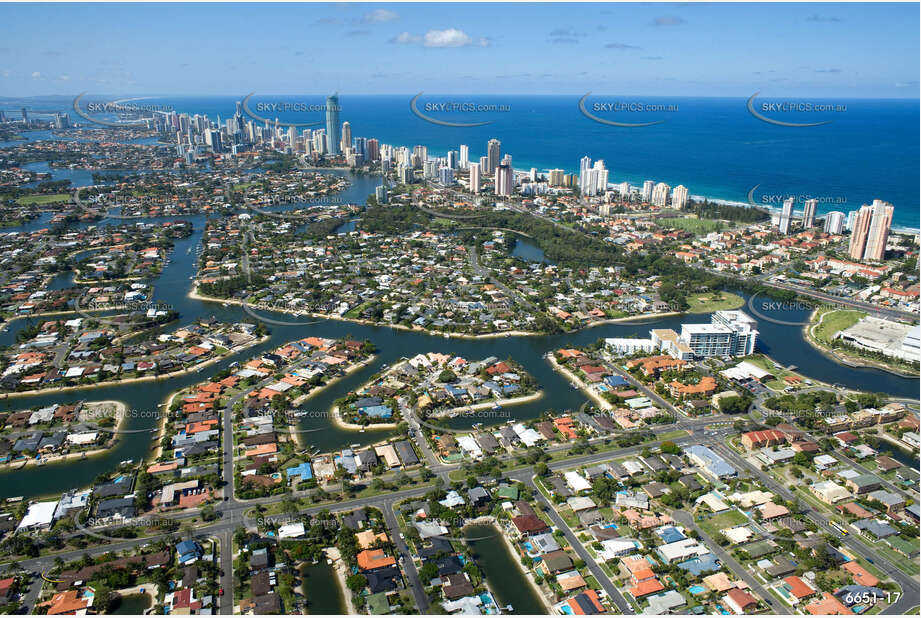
x: 784, y: 343
x: 504, y: 576
x: 321, y: 587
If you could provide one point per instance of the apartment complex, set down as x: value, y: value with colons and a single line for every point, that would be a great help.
x: 730, y: 333
x: 870, y: 231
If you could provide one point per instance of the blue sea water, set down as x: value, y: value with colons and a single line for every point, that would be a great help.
x: 713, y: 146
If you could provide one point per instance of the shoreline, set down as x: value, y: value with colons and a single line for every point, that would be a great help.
x: 898, y: 444
x: 195, y: 295
x: 514, y: 401
x: 121, y: 409
x: 162, y: 376
x: 339, y: 567
x: 583, y: 387
x: 339, y: 422
x: 516, y: 558
x: 293, y: 428
x: 844, y: 359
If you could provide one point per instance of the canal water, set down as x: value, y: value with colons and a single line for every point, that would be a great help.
x: 133, y: 604
x: 504, y: 576
x: 171, y: 288
x: 322, y: 590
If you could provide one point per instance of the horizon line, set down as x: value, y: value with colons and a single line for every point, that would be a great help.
x: 478, y: 94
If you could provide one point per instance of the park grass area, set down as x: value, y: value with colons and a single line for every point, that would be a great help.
x: 714, y: 301
x: 729, y: 519
x: 774, y: 369
x: 692, y: 225
x: 43, y: 199
x: 830, y: 323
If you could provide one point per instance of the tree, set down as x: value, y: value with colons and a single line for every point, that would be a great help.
x: 356, y: 582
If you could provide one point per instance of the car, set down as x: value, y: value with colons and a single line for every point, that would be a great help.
x: 220, y: 592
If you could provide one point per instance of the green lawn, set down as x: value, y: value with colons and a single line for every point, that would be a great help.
x: 834, y: 322
x: 695, y: 226
x: 729, y: 519
x: 43, y: 199
x: 714, y: 301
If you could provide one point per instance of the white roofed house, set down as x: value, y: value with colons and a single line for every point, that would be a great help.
x: 40, y: 516
x: 470, y: 446
x: 576, y: 481
x: 528, y: 436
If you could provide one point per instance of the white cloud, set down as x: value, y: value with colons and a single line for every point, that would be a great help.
x: 64, y: 78
x: 36, y: 75
x: 452, y: 37
x: 379, y: 16
x: 405, y: 38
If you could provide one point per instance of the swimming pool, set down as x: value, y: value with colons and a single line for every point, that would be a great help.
x: 697, y: 589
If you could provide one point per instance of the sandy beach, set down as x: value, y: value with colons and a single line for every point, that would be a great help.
x: 460, y: 410
x: 339, y: 566
x: 602, y: 403
x: 338, y: 421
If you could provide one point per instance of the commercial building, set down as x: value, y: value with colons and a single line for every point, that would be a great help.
x: 474, y: 177
x: 710, y: 463
x: 884, y: 337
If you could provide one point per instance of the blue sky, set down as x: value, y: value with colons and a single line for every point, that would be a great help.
x: 780, y: 49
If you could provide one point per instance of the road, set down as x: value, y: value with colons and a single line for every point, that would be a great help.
x: 406, y: 559
x: 232, y: 516
x: 909, y: 586
x: 610, y: 589
x: 686, y: 519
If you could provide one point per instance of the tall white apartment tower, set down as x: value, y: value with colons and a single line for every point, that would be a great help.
x: 648, y: 186
x: 680, y: 197
x: 786, y: 216
x: 474, y: 177
x: 809, y: 214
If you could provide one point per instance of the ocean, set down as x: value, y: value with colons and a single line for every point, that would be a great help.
x: 714, y: 146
